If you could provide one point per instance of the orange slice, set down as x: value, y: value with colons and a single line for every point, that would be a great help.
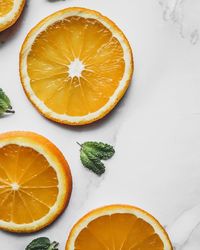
x: 118, y: 227
x: 35, y: 182
x: 10, y: 10
x: 75, y: 66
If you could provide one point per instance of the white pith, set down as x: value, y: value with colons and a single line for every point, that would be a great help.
x: 113, y: 210
x: 15, y: 186
x: 10, y: 15
x: 26, y: 80
x: 21, y: 141
x: 76, y: 68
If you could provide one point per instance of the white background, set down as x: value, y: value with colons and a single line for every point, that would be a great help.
x: 155, y: 128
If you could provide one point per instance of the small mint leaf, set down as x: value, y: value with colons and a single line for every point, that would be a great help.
x: 92, y: 153
x: 5, y: 105
x: 101, y: 150
x: 42, y: 243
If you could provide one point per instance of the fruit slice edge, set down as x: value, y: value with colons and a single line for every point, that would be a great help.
x: 92, y: 227
x: 40, y: 104
x: 10, y: 10
x: 55, y: 173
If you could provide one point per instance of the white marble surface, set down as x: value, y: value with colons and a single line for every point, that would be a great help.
x: 155, y: 128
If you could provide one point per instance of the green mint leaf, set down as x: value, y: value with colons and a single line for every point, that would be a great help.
x: 42, y: 243
x: 92, y: 153
x: 101, y: 150
x: 39, y: 244
x: 92, y: 163
x: 5, y: 104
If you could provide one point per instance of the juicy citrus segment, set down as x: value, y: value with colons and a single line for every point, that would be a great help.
x: 6, y: 6
x: 74, y: 64
x: 30, y: 185
x: 10, y: 10
x: 118, y: 227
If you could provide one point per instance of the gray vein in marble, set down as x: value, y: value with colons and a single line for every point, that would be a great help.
x: 185, y: 14
x: 181, y: 233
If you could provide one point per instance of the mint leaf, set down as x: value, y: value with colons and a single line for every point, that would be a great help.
x: 5, y: 104
x: 92, y: 163
x: 92, y: 153
x: 100, y: 150
x: 42, y: 243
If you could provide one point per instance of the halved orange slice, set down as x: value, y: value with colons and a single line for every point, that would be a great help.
x: 35, y: 182
x: 10, y: 10
x: 118, y: 227
x: 75, y: 66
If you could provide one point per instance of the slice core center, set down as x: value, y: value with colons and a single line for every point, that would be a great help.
x: 15, y: 186
x: 76, y: 68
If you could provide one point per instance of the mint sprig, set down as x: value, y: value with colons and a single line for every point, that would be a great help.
x: 42, y: 243
x: 5, y: 104
x: 92, y: 154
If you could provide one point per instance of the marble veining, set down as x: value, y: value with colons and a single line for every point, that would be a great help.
x: 185, y: 14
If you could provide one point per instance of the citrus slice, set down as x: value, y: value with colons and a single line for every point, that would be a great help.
x: 75, y: 66
x: 35, y: 182
x: 118, y: 227
x: 10, y: 10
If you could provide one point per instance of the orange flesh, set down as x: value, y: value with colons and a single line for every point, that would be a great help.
x: 118, y: 232
x: 48, y: 64
x: 28, y: 184
x: 5, y: 7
